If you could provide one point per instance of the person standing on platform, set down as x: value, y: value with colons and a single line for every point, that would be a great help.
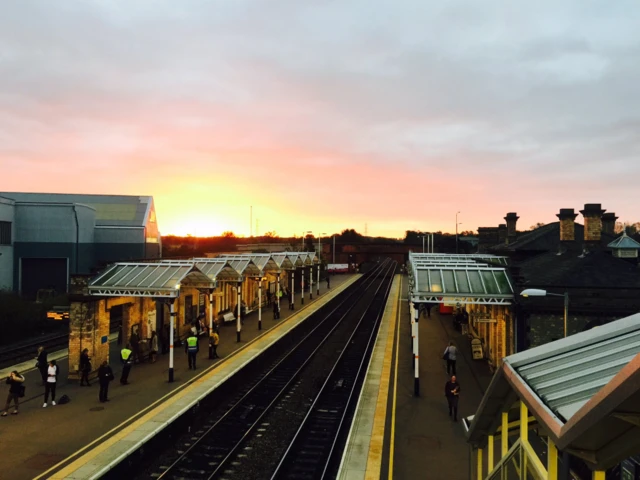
x: 135, y: 347
x: 451, y: 355
x: 153, y: 346
x: 42, y: 364
x: 214, y: 340
x: 50, y: 386
x: 85, y: 367
x: 15, y: 381
x: 427, y: 308
x: 276, y: 311
x: 452, y: 392
x: 328, y: 281
x: 125, y: 358
x: 105, y: 375
x: 192, y: 348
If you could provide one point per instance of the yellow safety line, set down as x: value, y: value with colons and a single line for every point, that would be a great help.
x: 395, y: 387
x: 376, y: 444
x: 108, y: 439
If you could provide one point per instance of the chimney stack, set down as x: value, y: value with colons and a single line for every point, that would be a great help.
x: 592, y: 214
x: 511, y: 220
x: 502, y: 233
x: 609, y: 223
x: 567, y: 224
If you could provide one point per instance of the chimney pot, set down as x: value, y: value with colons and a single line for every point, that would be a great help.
x: 567, y: 224
x: 592, y: 214
x: 609, y: 223
x: 502, y: 233
x: 511, y: 220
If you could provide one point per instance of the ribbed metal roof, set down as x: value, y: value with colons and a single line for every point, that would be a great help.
x: 566, y: 382
x: 155, y: 279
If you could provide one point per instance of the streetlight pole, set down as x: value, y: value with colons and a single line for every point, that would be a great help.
x: 535, y: 292
x: 457, y: 232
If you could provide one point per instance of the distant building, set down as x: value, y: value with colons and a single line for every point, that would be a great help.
x: 46, y: 237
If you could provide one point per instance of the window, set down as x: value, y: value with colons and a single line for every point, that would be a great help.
x: 5, y: 233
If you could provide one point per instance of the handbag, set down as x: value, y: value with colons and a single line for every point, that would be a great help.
x: 446, y: 354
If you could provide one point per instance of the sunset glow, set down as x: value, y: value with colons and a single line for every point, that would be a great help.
x: 323, y: 118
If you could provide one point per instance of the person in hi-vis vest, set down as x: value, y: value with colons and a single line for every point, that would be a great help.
x: 192, y: 350
x: 125, y: 358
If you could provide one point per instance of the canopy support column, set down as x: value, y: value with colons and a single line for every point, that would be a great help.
x: 239, y: 314
x: 171, y: 327
x: 260, y: 303
x: 311, y: 282
x: 210, y: 320
x: 293, y: 294
x: 302, y: 286
x: 416, y: 391
x: 318, y: 284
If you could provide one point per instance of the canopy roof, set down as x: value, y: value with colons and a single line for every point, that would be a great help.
x: 282, y: 260
x: 159, y: 279
x: 217, y: 269
x: 464, y: 278
x: 624, y: 241
x: 583, y: 390
x: 243, y: 265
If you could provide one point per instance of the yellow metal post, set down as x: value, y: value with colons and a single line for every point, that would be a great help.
x: 480, y: 464
x: 552, y: 460
x: 598, y: 475
x: 505, y: 433
x: 524, y: 422
x: 490, y: 454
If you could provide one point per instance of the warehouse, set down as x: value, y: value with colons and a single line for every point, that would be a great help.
x: 47, y: 237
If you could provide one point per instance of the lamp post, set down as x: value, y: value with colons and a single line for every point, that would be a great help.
x: 319, y: 263
x: 457, y: 232
x: 536, y: 292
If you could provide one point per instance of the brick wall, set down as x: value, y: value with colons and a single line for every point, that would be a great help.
x: 548, y: 327
x: 88, y: 328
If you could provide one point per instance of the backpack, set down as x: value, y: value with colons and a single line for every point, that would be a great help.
x: 64, y: 399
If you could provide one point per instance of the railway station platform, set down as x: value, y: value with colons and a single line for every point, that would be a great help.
x: 66, y: 441
x: 396, y: 434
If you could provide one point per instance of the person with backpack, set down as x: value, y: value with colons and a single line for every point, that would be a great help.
x: 105, y: 376
x: 451, y: 355
x: 85, y: 367
x: 16, y: 390
x: 50, y: 386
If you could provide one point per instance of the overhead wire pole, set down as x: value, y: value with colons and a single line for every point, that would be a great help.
x: 457, y: 232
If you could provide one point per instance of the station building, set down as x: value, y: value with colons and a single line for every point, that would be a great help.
x: 45, y: 238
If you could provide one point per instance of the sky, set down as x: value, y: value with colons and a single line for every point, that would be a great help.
x: 325, y: 115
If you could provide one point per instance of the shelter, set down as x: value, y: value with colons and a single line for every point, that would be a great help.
x: 583, y: 395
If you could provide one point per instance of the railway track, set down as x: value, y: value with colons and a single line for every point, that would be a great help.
x: 221, y: 447
x: 29, y: 350
x: 314, y: 452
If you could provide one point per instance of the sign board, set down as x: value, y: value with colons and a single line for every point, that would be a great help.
x: 486, y: 320
x: 338, y: 268
x: 104, y: 339
x: 476, y: 349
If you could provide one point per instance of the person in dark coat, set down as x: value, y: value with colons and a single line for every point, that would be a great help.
x: 15, y: 380
x: 328, y: 282
x: 134, y: 341
x: 85, y: 367
x: 42, y: 364
x: 452, y: 392
x: 105, y: 376
x: 276, y: 311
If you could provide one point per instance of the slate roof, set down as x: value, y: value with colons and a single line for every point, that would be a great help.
x: 546, y: 238
x: 597, y: 269
x: 111, y: 210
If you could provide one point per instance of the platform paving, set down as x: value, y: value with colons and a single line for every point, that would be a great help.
x: 40, y: 438
x: 427, y: 443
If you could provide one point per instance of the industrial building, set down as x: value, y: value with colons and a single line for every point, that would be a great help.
x: 47, y: 237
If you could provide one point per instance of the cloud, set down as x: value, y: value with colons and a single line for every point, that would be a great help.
x: 352, y: 109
